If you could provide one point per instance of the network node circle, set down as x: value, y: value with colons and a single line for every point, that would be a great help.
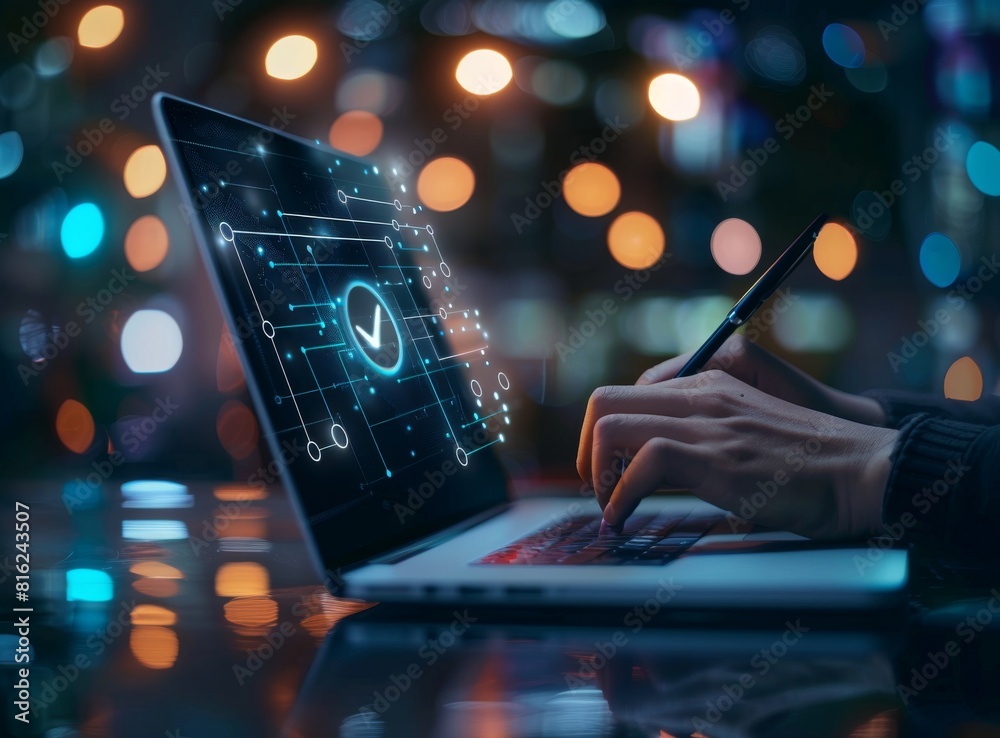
x: 313, y: 449
x: 339, y: 436
x: 463, y: 458
x: 227, y: 232
x: 268, y: 327
x: 504, y: 382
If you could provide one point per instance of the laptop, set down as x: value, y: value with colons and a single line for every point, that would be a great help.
x: 374, y: 383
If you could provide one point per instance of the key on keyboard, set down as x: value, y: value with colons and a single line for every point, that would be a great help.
x: 650, y: 540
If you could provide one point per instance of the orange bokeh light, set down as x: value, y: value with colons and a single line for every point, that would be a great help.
x: 356, y: 132
x: 156, y: 569
x: 75, y: 426
x: 242, y: 579
x: 964, y: 380
x: 291, y: 57
x: 591, y: 189
x: 835, y: 251
x: 237, y: 429
x: 100, y: 26
x: 145, y: 614
x: 446, y: 184
x: 154, y: 646
x: 636, y: 240
x: 146, y: 243
x: 145, y: 171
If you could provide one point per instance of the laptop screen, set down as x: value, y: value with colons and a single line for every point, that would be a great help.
x: 368, y: 361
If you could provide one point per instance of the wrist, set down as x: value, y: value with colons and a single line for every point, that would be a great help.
x: 866, y: 490
x: 858, y: 408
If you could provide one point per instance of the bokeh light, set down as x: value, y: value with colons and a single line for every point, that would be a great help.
x: 817, y: 324
x: 776, y: 55
x: 484, y: 72
x: 446, y: 184
x: 145, y: 171
x: 557, y: 82
x: 11, y: 153
x: 940, y: 259
x: 88, y: 585
x: 82, y: 230
x: 636, y: 240
x: 674, y: 97
x: 983, y: 166
x: 291, y: 57
x: 576, y: 19
x: 843, y: 45
x: 835, y: 251
x: 146, y: 614
x: 151, y: 342
x: 872, y: 76
x: 964, y: 380
x: 357, y: 132
x: 146, y: 243
x: 154, y: 646
x: 75, y: 426
x: 591, y: 189
x: 53, y: 57
x: 736, y: 246
x: 242, y: 579
x: 155, y: 570
x: 100, y: 26
x: 236, y: 426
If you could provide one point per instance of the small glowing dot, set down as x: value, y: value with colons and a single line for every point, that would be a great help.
x: 674, y: 96
x: 484, y: 71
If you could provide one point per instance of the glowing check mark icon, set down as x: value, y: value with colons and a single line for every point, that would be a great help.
x: 374, y: 339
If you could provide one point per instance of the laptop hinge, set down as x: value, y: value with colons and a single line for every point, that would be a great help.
x: 435, y: 539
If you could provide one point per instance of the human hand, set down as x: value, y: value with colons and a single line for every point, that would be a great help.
x: 822, y: 476
x: 748, y: 362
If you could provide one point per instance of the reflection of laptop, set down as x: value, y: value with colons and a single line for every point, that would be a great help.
x: 375, y: 386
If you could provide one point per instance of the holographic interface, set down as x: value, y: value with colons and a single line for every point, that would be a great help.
x: 363, y: 349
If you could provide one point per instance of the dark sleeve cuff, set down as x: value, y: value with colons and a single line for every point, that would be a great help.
x: 899, y: 405
x: 929, y: 490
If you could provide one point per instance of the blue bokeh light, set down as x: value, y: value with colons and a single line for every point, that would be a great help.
x: 11, y: 153
x: 940, y: 259
x: 82, y: 230
x: 983, y: 165
x: 844, y: 46
x: 88, y: 585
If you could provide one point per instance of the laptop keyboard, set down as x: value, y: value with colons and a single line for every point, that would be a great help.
x: 650, y: 540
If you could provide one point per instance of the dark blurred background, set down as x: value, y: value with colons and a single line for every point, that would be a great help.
x: 881, y: 114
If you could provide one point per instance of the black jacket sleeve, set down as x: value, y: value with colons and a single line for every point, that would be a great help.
x: 944, y: 486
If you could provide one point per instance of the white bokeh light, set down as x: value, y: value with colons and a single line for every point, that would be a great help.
x: 151, y: 342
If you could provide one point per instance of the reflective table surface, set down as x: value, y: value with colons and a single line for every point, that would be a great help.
x: 170, y: 610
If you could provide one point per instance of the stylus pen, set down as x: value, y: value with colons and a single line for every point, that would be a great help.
x: 756, y: 296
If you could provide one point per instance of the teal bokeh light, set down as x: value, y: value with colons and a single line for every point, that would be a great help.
x: 88, y: 585
x: 940, y: 259
x: 983, y: 166
x: 82, y: 230
x: 844, y: 46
